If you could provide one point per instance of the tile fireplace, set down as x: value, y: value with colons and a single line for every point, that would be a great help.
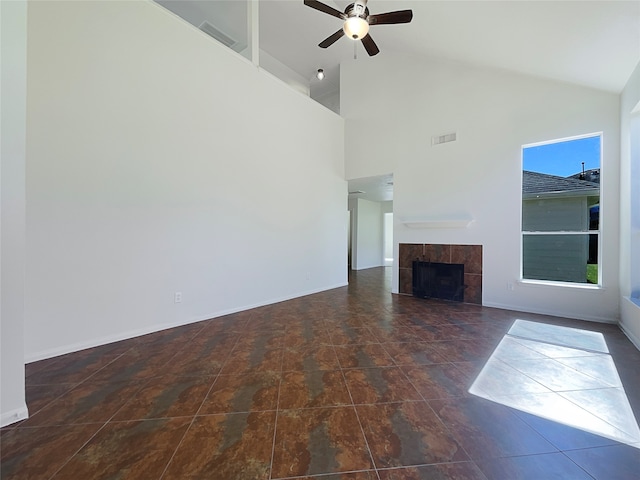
x: 468, y: 255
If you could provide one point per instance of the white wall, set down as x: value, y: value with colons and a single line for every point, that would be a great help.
x: 160, y: 161
x: 493, y: 113
x: 284, y: 73
x: 630, y: 207
x: 369, y: 246
x: 13, y: 28
x: 330, y: 99
x: 387, y: 225
x: 232, y: 18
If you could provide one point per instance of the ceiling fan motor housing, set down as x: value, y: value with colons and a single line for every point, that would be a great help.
x: 357, y: 8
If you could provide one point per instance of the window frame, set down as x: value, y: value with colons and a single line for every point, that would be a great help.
x: 587, y: 232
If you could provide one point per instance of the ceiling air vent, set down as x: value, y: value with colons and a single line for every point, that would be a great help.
x: 212, y: 31
x: 438, y: 139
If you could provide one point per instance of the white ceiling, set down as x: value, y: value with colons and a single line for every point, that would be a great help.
x: 375, y: 189
x: 591, y: 43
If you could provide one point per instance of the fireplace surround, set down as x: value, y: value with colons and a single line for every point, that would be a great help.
x: 468, y: 255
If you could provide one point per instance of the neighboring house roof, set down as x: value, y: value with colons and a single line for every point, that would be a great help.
x: 535, y: 185
x: 592, y: 175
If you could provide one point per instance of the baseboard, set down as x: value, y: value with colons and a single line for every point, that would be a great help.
x: 518, y: 308
x: 630, y: 309
x: 632, y: 338
x: 367, y: 267
x: 13, y: 416
x: 276, y: 300
x: 96, y: 342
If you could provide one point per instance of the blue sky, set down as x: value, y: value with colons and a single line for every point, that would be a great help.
x: 563, y: 158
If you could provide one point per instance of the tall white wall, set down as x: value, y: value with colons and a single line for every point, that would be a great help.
x: 159, y: 161
x: 493, y: 113
x: 369, y: 250
x: 630, y: 207
x: 387, y: 225
x: 13, y: 36
x: 284, y: 73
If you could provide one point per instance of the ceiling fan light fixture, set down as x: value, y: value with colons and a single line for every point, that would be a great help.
x: 356, y: 28
x: 356, y: 21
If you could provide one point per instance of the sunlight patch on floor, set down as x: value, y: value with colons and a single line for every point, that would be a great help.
x: 562, y: 374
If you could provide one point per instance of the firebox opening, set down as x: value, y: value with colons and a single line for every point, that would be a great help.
x: 438, y: 280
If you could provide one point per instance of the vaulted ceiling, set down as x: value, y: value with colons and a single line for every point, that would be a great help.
x: 591, y: 43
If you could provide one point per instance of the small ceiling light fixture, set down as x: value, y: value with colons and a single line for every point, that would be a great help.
x: 320, y: 74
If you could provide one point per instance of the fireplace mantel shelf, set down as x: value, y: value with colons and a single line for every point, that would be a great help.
x: 437, y: 222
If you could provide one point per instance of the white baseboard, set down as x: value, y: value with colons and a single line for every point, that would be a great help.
x: 96, y: 342
x: 630, y: 313
x: 541, y: 311
x: 13, y: 416
x: 367, y: 267
x: 635, y: 340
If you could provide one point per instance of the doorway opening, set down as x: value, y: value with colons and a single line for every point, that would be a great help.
x: 370, y: 230
x: 388, y: 239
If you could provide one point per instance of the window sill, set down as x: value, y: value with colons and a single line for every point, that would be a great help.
x: 634, y: 300
x: 549, y: 283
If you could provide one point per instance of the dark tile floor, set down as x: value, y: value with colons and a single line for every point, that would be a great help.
x: 353, y: 383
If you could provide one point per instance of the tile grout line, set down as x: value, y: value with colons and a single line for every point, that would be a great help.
x: 31, y: 414
x: 195, y: 415
x: 104, y: 424
x: 97, y: 431
x: 275, y: 420
x: 575, y: 463
x: 357, y: 317
x: 440, y: 419
x: 366, y: 442
x: 166, y: 467
x: 79, y: 449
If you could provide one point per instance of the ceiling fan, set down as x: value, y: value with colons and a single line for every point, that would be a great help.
x: 357, y: 21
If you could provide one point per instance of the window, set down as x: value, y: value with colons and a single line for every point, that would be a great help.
x: 561, y: 210
x: 634, y: 207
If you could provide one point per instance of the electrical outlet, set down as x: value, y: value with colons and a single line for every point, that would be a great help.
x: 308, y: 275
x: 510, y: 286
x: 177, y: 297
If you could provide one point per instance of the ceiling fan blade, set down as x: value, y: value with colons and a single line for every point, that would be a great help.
x: 327, y: 42
x: 370, y: 46
x: 401, y: 16
x: 325, y: 8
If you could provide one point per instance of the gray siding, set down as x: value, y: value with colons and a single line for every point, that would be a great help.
x: 561, y: 258
x: 555, y: 214
x: 555, y: 257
